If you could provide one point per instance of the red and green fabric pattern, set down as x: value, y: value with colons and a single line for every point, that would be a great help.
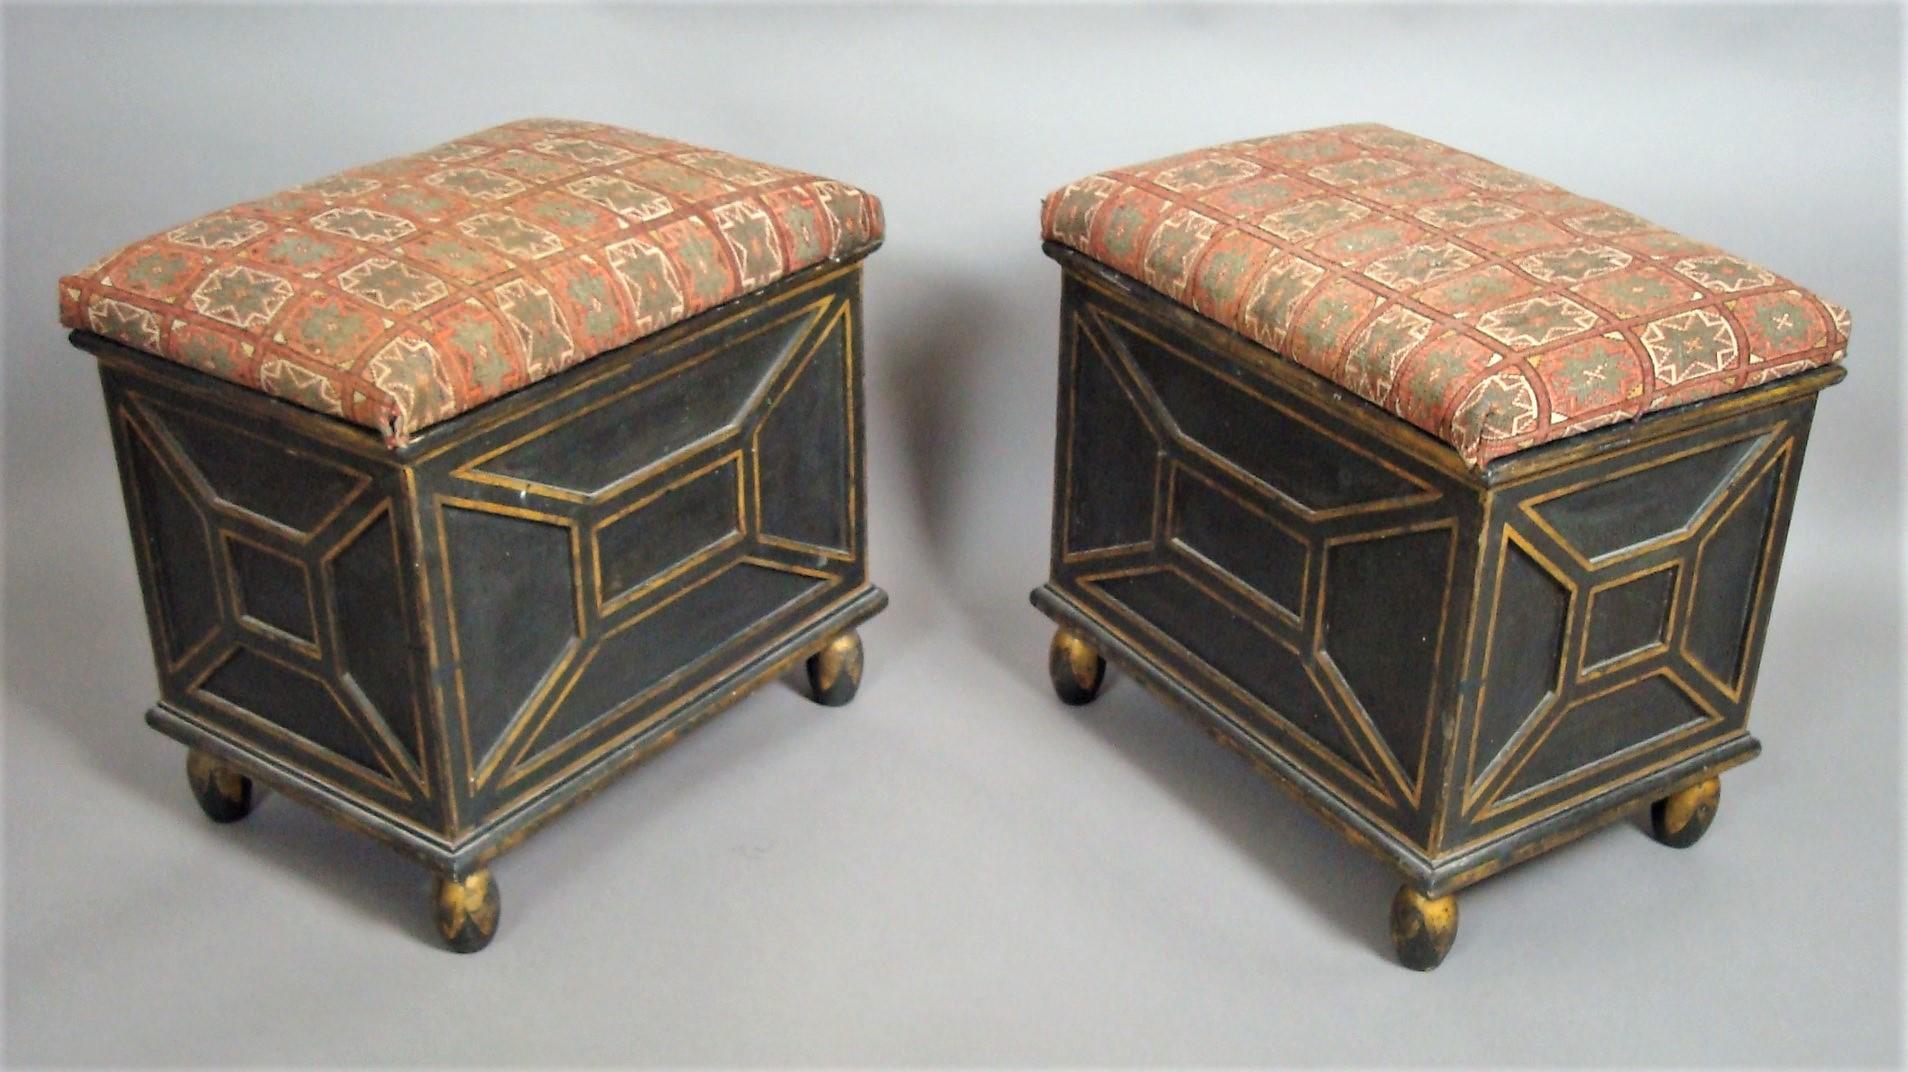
x: 1491, y: 309
x: 402, y: 293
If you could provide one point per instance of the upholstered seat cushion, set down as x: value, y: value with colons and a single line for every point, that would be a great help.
x: 405, y: 292
x: 1489, y: 308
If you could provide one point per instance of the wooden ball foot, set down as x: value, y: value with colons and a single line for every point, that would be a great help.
x: 1076, y: 669
x: 1423, y: 928
x: 224, y: 795
x: 1680, y: 819
x: 834, y: 673
x: 467, y: 910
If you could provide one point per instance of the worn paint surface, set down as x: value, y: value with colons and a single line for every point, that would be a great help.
x: 445, y: 644
x: 1457, y: 669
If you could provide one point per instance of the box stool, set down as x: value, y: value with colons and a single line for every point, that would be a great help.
x: 462, y: 481
x: 1452, y: 500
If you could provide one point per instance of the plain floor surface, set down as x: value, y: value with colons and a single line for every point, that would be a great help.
x: 956, y: 869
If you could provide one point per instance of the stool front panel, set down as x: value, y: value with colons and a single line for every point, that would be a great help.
x: 604, y: 554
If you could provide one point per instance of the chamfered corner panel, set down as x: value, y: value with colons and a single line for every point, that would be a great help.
x: 365, y: 574
x: 670, y: 647
x: 176, y: 545
x: 651, y: 414
x: 511, y: 588
x: 254, y: 478
x: 294, y: 700
x: 1526, y: 628
x: 1648, y: 506
x: 1383, y: 629
x: 1289, y: 458
x: 1269, y: 680
x: 1111, y: 455
x: 804, y: 475
x: 1730, y: 562
x: 1600, y: 728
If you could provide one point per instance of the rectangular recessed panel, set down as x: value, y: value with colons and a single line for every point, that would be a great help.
x: 670, y: 529
x: 1240, y: 542
x: 1630, y: 617
x: 273, y: 590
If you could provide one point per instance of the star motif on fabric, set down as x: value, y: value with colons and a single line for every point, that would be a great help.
x: 391, y: 285
x: 1692, y: 344
x: 1536, y: 322
x: 241, y: 296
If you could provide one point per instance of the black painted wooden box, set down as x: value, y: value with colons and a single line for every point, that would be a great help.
x: 1459, y: 670
x: 445, y: 643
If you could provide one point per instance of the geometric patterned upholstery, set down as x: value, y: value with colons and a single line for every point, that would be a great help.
x: 403, y: 293
x: 1488, y: 308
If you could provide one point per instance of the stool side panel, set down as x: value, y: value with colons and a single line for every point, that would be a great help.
x: 278, y: 574
x: 603, y: 552
x: 1306, y: 581
x: 1625, y: 599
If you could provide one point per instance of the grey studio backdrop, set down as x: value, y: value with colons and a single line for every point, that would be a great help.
x: 955, y: 869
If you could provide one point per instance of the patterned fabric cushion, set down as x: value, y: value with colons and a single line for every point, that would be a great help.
x: 1489, y: 308
x: 405, y: 292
